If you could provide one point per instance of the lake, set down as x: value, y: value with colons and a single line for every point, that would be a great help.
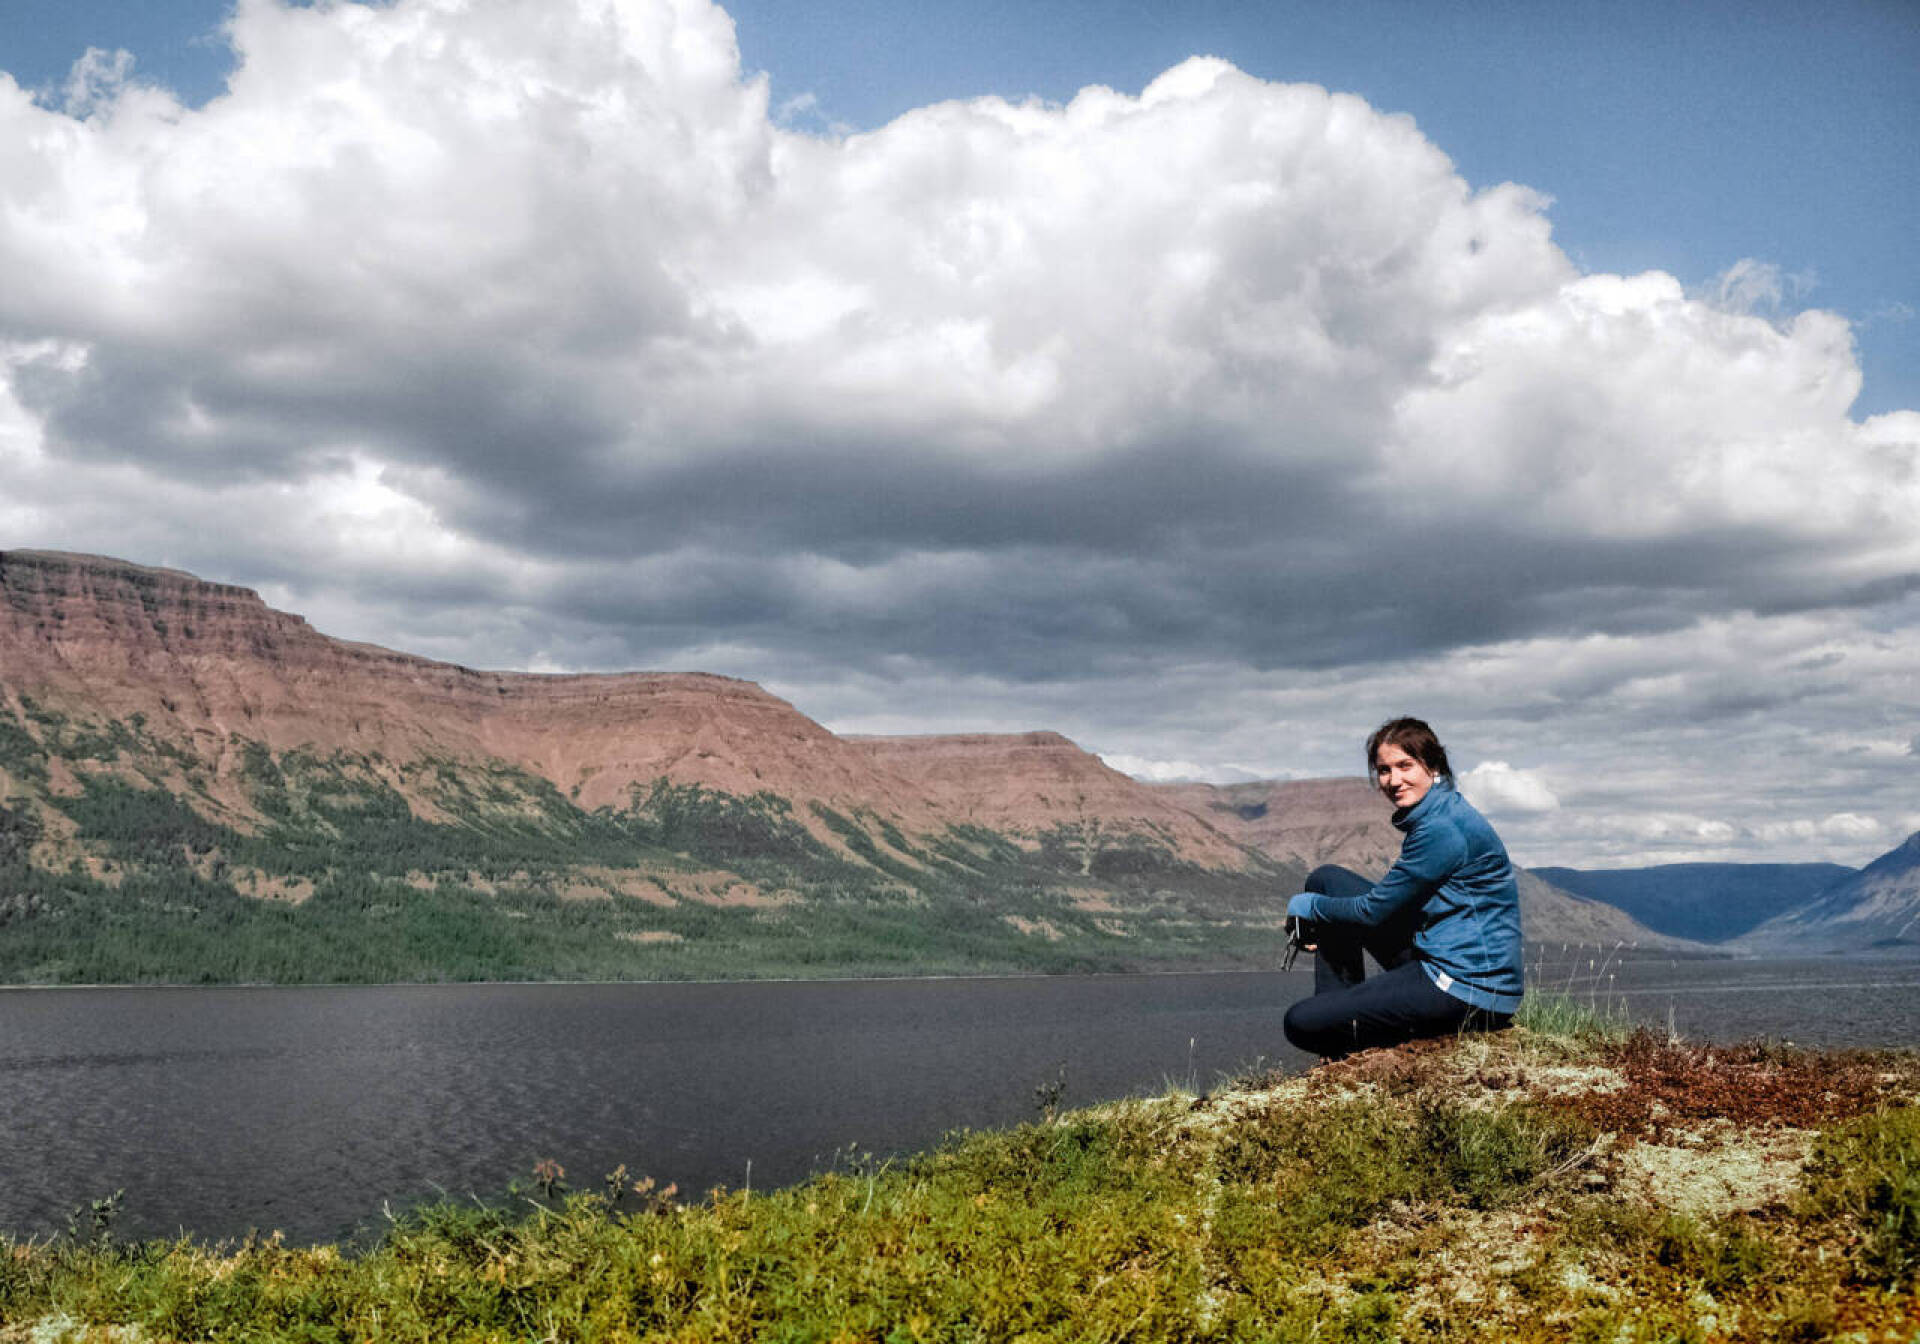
x: 304, y: 1110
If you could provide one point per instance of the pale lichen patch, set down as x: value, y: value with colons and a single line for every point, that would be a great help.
x: 1716, y: 1169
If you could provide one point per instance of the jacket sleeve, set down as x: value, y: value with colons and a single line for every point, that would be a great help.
x: 1429, y: 857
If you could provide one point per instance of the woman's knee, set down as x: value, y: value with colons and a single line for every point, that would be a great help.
x: 1330, y: 879
x: 1293, y: 1027
x: 1308, y: 1026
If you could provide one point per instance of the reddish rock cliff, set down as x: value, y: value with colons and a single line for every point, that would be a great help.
x: 1304, y: 821
x: 203, y: 661
x: 209, y: 666
x: 207, y: 662
x: 1027, y: 783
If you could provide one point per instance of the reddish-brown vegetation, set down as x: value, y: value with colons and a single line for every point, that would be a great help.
x: 1676, y: 1083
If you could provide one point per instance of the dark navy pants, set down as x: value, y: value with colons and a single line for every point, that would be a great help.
x: 1350, y: 1010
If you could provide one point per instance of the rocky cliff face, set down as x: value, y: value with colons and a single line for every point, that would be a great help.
x: 1029, y: 783
x: 206, y: 662
x: 1305, y: 821
x: 209, y: 664
x: 218, y: 680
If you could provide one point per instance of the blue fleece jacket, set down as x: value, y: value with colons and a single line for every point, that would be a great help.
x: 1456, y: 870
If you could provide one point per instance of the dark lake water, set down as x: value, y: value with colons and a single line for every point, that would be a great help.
x: 304, y: 1110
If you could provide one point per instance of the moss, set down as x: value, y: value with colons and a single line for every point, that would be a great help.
x: 1866, y: 1173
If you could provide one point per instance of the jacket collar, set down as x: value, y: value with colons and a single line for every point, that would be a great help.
x: 1407, y: 817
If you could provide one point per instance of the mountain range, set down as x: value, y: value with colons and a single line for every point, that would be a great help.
x: 1711, y: 902
x: 1874, y: 910
x: 194, y: 785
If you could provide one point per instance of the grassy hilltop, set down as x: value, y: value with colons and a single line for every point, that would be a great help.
x: 1526, y: 1187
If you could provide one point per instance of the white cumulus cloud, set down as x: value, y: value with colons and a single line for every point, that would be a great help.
x: 527, y: 330
x: 1496, y: 787
x: 1851, y: 826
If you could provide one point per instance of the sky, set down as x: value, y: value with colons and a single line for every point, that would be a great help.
x: 1207, y: 381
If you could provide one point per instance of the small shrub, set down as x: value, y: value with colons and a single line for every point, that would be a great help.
x: 1867, y: 1172
x: 1483, y: 1157
x: 92, y: 1223
x: 1353, y: 1159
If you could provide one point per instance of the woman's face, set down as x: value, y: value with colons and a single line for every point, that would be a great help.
x: 1402, y: 779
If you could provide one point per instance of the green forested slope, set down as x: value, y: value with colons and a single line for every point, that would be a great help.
x: 125, y: 858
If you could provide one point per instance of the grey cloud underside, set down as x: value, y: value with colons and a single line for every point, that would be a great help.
x: 1269, y: 554
x: 197, y: 416
x: 1030, y: 610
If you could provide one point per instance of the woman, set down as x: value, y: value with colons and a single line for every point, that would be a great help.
x: 1444, y: 923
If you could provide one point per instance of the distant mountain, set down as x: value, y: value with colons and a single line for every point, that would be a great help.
x: 1302, y: 821
x: 1032, y: 785
x: 1875, y: 910
x: 1710, y: 902
x: 196, y: 786
x: 1314, y: 821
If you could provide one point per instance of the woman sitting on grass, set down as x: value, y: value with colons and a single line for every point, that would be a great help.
x: 1444, y: 923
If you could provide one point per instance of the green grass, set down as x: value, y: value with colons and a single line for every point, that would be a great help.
x: 1395, y: 1197
x: 1563, y: 1014
x: 1866, y: 1174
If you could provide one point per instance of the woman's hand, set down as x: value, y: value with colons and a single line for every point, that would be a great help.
x: 1300, y: 922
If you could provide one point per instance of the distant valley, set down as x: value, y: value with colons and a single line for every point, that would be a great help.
x: 1771, y: 910
x: 194, y: 786
x: 1711, y: 902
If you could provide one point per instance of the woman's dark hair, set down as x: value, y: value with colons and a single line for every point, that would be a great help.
x: 1413, y: 737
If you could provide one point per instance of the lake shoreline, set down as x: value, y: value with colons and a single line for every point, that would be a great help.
x: 301, y: 1107
x: 1599, y: 950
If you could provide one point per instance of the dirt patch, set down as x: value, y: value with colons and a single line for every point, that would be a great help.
x: 646, y: 889
x: 269, y: 887
x: 628, y: 882
x: 61, y: 781
x: 104, y: 871
x: 726, y: 890
x: 649, y: 936
x: 1035, y: 928
x: 1092, y: 900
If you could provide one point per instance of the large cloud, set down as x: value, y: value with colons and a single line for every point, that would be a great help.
x: 517, y: 331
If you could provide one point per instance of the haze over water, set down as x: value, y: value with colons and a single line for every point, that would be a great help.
x: 305, y: 1110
